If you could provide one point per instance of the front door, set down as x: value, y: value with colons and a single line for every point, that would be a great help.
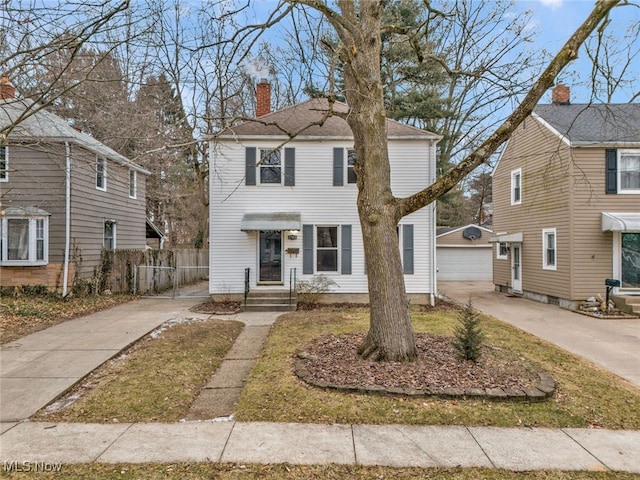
x: 270, y: 267
x: 516, y: 268
x: 630, y: 261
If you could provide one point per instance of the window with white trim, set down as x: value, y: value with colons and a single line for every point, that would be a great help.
x: 109, y: 235
x: 327, y: 249
x: 502, y: 250
x: 270, y: 166
x: 351, y: 162
x: 549, y: 249
x: 24, y: 240
x: 4, y: 163
x: 516, y: 187
x: 101, y: 173
x: 629, y: 171
x: 133, y: 184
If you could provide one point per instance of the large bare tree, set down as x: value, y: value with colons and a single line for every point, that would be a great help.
x: 359, y: 26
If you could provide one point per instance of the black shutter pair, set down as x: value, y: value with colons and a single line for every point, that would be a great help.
x: 307, y: 250
x: 289, y: 166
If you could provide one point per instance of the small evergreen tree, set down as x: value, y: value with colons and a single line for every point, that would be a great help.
x: 468, y: 334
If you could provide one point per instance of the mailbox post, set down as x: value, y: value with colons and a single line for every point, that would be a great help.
x: 611, y: 283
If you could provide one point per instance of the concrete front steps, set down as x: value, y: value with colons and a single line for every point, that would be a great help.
x: 628, y: 303
x: 270, y: 301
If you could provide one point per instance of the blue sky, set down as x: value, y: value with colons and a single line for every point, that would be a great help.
x: 555, y: 21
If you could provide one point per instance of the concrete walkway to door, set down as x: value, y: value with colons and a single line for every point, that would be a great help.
x: 611, y: 344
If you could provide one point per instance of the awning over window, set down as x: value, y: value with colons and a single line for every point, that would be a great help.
x: 620, y: 222
x: 270, y: 221
x: 25, y: 212
x: 507, y: 238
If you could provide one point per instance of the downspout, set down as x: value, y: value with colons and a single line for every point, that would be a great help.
x: 432, y: 226
x: 67, y: 219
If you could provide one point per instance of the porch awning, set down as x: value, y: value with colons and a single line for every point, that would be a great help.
x: 507, y: 238
x: 270, y: 221
x: 620, y: 222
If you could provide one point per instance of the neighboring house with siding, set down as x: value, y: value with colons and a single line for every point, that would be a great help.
x: 464, y: 254
x: 279, y: 204
x: 64, y: 198
x: 566, y: 195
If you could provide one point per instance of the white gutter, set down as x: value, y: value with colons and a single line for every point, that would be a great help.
x: 433, y: 227
x: 67, y: 219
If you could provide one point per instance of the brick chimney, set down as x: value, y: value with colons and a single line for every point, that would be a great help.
x: 561, y: 95
x: 7, y: 90
x: 263, y: 98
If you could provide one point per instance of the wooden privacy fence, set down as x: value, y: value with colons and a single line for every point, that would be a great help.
x: 152, y: 271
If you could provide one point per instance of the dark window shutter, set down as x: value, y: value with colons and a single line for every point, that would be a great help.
x: 250, y: 166
x: 407, y: 248
x: 338, y: 167
x: 289, y: 167
x: 307, y: 249
x: 346, y: 250
x: 611, y: 172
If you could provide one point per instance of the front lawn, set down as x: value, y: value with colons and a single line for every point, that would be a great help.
x: 586, y: 396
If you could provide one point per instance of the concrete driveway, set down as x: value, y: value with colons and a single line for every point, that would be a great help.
x: 611, y: 344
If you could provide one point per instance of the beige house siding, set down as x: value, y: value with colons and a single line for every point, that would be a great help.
x: 592, y: 248
x: 546, y: 166
x: 563, y: 188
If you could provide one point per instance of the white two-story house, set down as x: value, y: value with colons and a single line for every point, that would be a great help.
x: 283, y: 208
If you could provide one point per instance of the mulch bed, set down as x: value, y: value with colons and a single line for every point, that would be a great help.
x: 331, y: 360
x: 214, y: 307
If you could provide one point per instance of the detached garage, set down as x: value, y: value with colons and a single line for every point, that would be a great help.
x: 464, y: 254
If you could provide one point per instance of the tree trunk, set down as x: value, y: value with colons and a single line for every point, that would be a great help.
x: 390, y: 334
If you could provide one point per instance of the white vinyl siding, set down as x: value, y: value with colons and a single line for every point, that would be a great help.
x: 318, y: 204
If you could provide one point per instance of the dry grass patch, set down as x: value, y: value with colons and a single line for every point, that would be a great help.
x: 586, y: 395
x: 194, y: 471
x: 156, y: 380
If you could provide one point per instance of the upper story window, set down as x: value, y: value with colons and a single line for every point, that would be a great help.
x: 24, y: 237
x: 516, y: 187
x: 109, y: 235
x: 4, y: 164
x: 133, y: 184
x: 629, y: 171
x: 270, y: 166
x: 549, y: 249
x: 344, y: 161
x: 351, y: 161
x: 101, y: 173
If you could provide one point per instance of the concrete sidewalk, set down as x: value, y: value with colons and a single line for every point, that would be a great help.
x: 612, y: 344
x: 520, y: 449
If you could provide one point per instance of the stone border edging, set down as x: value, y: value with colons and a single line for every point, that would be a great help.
x: 545, y: 388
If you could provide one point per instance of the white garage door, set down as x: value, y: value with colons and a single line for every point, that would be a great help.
x: 458, y: 263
